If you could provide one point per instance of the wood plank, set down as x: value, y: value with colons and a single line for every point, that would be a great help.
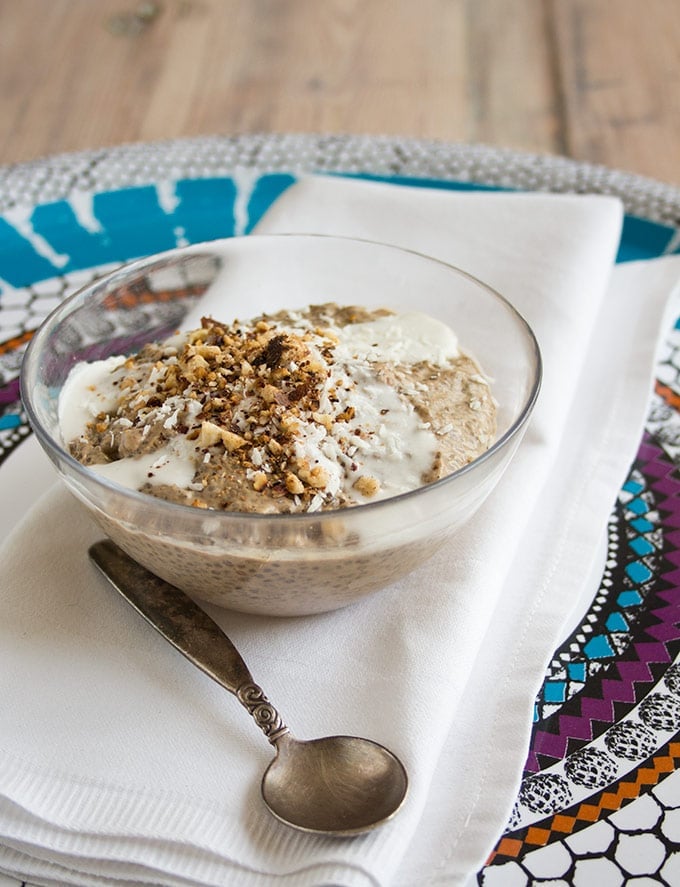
x: 620, y: 73
x: 206, y: 66
x: 512, y: 77
x: 593, y: 79
x: 337, y: 66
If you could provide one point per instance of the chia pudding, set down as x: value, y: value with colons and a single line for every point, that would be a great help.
x: 323, y: 408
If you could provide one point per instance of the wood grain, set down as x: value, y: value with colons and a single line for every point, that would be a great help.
x: 594, y: 79
x: 620, y: 77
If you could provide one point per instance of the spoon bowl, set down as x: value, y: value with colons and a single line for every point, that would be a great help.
x: 340, y: 785
x: 336, y: 785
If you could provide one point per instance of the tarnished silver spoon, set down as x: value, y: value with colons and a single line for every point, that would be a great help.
x: 337, y: 785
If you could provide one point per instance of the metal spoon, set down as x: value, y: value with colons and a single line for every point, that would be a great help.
x: 337, y: 785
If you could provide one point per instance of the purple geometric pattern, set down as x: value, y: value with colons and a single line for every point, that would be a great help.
x: 656, y: 638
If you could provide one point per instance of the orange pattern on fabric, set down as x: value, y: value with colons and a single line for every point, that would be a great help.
x: 16, y: 342
x: 671, y: 398
x: 590, y: 812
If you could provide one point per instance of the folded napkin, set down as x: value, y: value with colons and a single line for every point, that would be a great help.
x: 121, y: 762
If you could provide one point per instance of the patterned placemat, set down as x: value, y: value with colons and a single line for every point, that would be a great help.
x: 600, y: 798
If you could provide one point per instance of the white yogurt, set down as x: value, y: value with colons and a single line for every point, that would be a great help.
x: 88, y: 391
x: 401, y: 338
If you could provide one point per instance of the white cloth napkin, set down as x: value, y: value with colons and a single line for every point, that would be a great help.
x: 121, y: 762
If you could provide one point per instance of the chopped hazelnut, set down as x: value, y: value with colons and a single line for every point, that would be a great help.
x: 347, y: 414
x: 197, y: 367
x: 294, y: 485
x: 209, y: 434
x: 210, y: 352
x: 270, y: 393
x: 366, y: 485
x: 317, y: 478
x: 323, y: 419
x: 232, y: 441
x: 289, y: 425
x: 259, y: 481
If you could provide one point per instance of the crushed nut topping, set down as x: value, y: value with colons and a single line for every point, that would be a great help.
x: 281, y: 414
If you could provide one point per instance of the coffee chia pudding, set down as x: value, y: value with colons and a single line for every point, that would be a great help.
x: 299, y: 411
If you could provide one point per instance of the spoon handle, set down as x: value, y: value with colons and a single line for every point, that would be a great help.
x: 189, y: 629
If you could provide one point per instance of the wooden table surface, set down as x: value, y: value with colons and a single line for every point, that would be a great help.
x: 596, y: 80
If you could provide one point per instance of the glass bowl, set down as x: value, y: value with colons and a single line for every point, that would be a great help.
x: 281, y: 564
